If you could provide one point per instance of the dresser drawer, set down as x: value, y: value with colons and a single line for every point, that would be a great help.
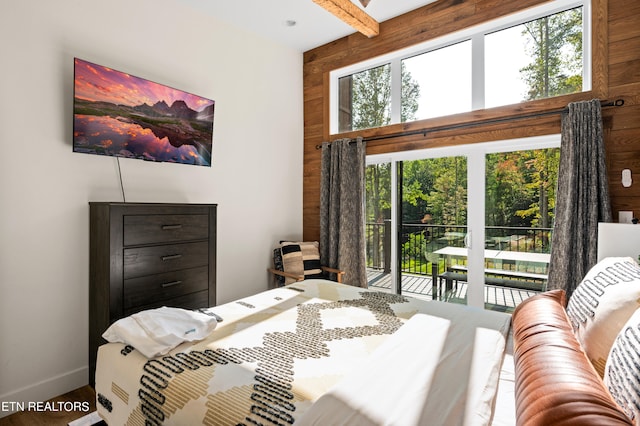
x: 141, y: 261
x: 151, y: 229
x: 154, y: 288
x: 189, y: 301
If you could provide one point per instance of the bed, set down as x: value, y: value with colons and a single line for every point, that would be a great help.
x: 316, y: 353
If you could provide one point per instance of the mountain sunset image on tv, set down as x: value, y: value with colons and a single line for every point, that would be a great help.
x: 117, y: 114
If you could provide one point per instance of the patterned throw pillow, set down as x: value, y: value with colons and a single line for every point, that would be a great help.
x: 292, y: 261
x: 303, y: 257
x: 622, y: 373
x: 602, y: 303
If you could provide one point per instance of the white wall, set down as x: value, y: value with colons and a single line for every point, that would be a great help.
x: 256, y: 177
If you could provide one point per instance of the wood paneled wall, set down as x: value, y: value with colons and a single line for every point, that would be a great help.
x: 616, y: 75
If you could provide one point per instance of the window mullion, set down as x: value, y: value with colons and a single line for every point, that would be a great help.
x: 396, y: 90
x: 587, y: 75
x: 477, y: 72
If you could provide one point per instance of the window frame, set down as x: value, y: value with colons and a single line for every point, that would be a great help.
x: 476, y: 167
x: 476, y: 34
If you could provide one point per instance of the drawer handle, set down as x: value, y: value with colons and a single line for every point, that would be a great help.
x: 170, y: 227
x: 171, y: 257
x: 171, y: 284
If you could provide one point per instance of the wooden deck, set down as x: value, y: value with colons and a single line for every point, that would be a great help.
x: 496, y: 298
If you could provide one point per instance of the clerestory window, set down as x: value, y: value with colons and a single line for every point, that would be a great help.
x: 538, y: 53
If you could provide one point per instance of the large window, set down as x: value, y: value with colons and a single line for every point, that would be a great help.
x: 535, y: 54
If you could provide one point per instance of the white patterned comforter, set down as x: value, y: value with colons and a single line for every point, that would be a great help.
x: 277, y: 353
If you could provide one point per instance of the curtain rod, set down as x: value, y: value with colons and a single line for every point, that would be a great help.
x: 424, y: 132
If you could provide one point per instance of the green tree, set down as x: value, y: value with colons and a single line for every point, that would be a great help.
x: 437, y: 186
x: 520, y: 188
x: 543, y: 170
x: 378, y: 208
x: 448, y: 197
x: 505, y: 188
x: 555, y: 45
x: 371, y: 97
x: 417, y: 182
x: 378, y: 192
x: 410, y: 96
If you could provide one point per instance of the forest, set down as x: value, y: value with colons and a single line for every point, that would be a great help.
x: 519, y: 203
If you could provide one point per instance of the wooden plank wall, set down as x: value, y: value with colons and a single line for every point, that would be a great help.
x: 623, y: 138
x: 616, y: 75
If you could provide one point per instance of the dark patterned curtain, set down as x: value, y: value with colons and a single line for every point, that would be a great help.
x: 582, y: 199
x: 342, y: 241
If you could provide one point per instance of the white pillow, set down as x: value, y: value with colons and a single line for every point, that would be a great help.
x: 622, y: 375
x: 156, y: 331
x: 602, y: 303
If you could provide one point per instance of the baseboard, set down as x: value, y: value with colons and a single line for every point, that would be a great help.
x: 44, y: 390
x: 92, y: 419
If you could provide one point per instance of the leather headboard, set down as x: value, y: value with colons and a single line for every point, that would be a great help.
x: 555, y: 382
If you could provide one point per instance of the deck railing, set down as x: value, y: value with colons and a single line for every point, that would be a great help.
x: 419, y: 241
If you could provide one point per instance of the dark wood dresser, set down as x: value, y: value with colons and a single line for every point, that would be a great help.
x: 147, y: 255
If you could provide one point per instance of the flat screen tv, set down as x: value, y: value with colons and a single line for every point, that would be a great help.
x: 120, y: 115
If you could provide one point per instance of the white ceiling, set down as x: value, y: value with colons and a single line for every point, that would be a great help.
x: 314, y: 25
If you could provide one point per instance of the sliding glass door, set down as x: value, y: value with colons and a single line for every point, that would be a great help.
x: 468, y: 224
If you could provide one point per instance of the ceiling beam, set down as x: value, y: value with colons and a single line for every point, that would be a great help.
x: 352, y: 15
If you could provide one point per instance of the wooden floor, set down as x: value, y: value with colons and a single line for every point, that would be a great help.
x: 61, y: 417
x: 496, y: 298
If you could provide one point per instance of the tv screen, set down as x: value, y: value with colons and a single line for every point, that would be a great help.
x: 120, y: 115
